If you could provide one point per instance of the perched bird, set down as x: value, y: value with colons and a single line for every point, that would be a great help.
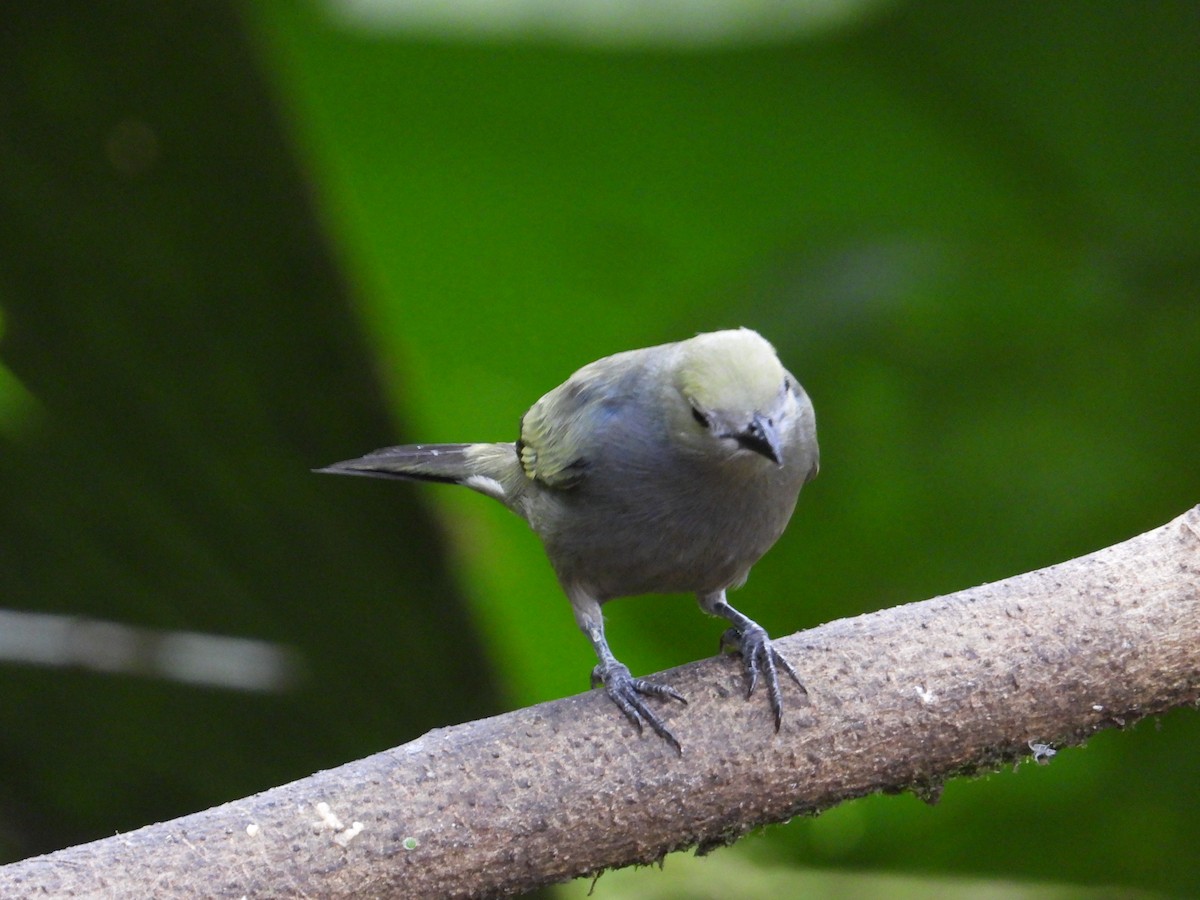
x: 667, y: 469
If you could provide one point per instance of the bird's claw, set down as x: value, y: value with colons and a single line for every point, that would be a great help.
x: 627, y: 692
x: 759, y: 655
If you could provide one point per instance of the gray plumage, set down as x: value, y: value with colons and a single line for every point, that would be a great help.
x: 667, y: 469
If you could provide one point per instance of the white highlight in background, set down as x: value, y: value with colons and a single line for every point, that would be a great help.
x: 244, y: 664
x: 607, y: 23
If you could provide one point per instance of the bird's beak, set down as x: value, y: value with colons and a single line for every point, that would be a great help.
x: 761, y: 437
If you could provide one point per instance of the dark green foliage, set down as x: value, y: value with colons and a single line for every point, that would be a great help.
x: 172, y: 305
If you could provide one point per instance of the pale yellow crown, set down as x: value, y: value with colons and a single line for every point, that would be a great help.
x: 734, y: 370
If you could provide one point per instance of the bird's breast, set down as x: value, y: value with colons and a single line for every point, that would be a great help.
x: 693, y: 528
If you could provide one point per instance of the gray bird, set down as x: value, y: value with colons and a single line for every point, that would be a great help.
x: 662, y: 470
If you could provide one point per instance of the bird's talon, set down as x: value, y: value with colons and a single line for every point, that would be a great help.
x: 759, y: 655
x: 752, y: 671
x: 787, y: 667
x: 627, y: 692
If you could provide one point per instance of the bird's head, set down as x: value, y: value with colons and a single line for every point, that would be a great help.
x: 737, y: 393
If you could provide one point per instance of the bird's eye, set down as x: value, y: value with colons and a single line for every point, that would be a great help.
x: 700, y: 417
x: 787, y: 385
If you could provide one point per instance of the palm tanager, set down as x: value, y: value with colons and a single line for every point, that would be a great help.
x: 662, y: 470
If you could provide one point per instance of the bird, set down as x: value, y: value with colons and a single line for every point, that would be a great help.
x: 666, y: 469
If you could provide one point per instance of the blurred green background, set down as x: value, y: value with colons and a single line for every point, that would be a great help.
x: 239, y: 240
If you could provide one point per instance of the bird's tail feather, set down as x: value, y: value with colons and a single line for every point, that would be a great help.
x: 418, y: 462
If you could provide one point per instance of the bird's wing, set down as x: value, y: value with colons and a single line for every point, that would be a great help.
x: 564, y: 428
x: 550, y: 446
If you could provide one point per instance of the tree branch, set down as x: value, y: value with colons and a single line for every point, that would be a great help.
x: 899, y: 699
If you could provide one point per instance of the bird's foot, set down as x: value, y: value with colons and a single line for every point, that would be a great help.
x: 627, y: 692
x: 760, y: 656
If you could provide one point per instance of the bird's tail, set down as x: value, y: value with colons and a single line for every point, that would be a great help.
x: 491, y: 469
x: 420, y: 462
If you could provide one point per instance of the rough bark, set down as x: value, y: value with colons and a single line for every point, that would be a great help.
x: 899, y: 699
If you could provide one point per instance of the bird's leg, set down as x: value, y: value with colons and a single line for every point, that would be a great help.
x: 625, y: 690
x: 758, y: 654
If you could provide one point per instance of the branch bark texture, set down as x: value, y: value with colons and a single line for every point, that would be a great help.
x: 899, y: 699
